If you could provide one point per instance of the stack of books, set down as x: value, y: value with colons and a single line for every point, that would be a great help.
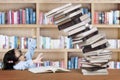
x: 71, y: 20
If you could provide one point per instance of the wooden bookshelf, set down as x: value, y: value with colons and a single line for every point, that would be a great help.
x: 37, y: 30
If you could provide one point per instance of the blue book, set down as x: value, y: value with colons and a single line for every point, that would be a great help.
x: 69, y: 64
x: 27, y: 15
x: 30, y: 15
x: 76, y: 62
x: 0, y: 17
x: 3, y: 18
x: 72, y: 62
x: 34, y: 18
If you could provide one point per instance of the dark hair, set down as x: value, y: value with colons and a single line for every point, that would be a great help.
x: 9, y: 60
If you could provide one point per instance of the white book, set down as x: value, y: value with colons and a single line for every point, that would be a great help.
x: 15, y: 17
x: 60, y: 20
x: 48, y: 41
x: 73, y: 8
x: 98, y: 43
x: 76, y: 30
x: 47, y: 69
x: 113, y: 43
x: 22, y: 43
x: 118, y: 65
x: 91, y: 73
x: 98, y: 72
x: 98, y: 60
x: 6, y: 42
x: 77, y: 25
x: 75, y: 42
x: 86, y: 33
x: 111, y: 65
x: 111, y: 17
x: 117, y: 15
x: 94, y: 38
x: 68, y: 17
x: 93, y: 52
x: 59, y: 8
x: 85, y: 16
x: 99, y: 57
x: 75, y: 13
x: 60, y: 12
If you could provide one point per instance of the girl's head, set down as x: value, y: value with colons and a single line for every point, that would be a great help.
x: 11, y: 58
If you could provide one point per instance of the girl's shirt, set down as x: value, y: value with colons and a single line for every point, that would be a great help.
x: 28, y: 63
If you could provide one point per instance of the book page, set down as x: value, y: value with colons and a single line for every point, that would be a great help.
x: 46, y: 69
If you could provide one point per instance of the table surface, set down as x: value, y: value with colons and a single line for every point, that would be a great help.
x: 114, y: 74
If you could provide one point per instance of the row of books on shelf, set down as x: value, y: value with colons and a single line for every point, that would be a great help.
x: 14, y: 42
x: 74, y: 62
x: 44, y: 18
x: 45, y: 42
x: 52, y: 63
x: 50, y: 43
x: 114, y: 65
x: 111, y: 17
x: 21, y: 16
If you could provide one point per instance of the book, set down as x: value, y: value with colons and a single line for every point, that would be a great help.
x: 77, y: 25
x: 59, y: 8
x: 47, y: 69
x: 87, y: 34
x: 98, y: 43
x: 98, y: 72
x: 88, y: 48
x: 73, y: 36
x: 98, y: 53
x: 95, y: 38
x: 67, y: 11
x: 72, y: 16
x: 91, y: 40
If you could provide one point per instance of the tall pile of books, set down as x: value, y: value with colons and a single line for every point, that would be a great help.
x: 72, y: 20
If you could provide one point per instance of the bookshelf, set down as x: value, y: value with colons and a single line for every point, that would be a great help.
x: 112, y: 31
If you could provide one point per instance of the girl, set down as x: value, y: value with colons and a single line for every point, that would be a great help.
x: 14, y: 59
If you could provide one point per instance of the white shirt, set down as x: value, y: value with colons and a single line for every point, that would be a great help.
x: 22, y: 65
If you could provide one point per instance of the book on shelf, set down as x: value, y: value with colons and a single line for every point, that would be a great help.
x: 113, y: 43
x: 114, y: 65
x: 108, y: 17
x: 47, y: 69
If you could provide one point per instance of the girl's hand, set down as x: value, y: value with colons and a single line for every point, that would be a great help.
x: 38, y: 59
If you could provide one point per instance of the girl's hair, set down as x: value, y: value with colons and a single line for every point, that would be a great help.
x: 9, y: 60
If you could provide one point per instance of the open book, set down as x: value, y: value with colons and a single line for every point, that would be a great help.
x: 46, y: 69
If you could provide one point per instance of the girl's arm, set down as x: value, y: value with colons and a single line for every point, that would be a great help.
x: 31, y: 48
x: 22, y: 65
